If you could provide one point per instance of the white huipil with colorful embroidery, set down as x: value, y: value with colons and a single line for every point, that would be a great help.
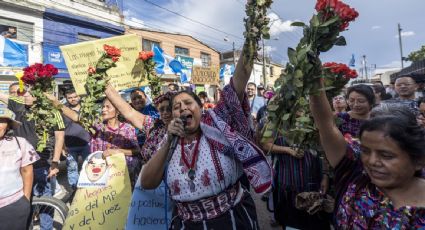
x: 208, y: 167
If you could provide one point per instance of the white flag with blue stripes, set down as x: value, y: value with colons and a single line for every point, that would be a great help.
x: 12, y: 53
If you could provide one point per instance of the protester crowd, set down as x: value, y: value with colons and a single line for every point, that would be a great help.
x: 367, y: 174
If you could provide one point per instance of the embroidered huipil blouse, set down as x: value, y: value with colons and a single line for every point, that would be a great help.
x: 225, y: 152
x: 123, y: 137
x: 361, y: 205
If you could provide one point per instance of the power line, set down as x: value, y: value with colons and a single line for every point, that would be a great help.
x: 195, y: 21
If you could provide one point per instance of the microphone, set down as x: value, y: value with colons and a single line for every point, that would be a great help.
x: 175, y: 138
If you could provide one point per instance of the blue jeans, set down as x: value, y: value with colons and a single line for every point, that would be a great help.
x: 72, y: 163
x: 44, y: 187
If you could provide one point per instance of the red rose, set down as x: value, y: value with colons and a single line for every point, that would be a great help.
x: 37, y: 66
x: 145, y: 55
x: 28, y: 79
x: 51, y: 69
x: 332, y: 3
x: 320, y: 5
x: 112, y: 51
x: 43, y: 73
x: 91, y: 70
x: 115, y: 59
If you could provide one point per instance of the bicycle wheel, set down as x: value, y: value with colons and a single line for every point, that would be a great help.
x: 48, y: 206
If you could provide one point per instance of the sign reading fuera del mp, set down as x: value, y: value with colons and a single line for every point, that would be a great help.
x: 201, y: 75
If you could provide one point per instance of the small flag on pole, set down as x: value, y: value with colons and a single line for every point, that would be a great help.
x: 352, y: 62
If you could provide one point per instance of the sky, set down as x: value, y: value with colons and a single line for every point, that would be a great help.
x: 219, y: 23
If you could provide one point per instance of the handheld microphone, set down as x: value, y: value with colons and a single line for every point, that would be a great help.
x: 175, y: 138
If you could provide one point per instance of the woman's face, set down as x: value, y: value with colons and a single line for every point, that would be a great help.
x: 185, y: 105
x: 358, y: 103
x: 3, y: 126
x: 387, y: 165
x: 164, y: 112
x: 138, y: 100
x: 108, y: 111
x: 339, y: 103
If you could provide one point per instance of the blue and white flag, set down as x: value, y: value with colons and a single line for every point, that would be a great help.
x: 227, y: 70
x: 165, y: 64
x: 12, y: 53
x: 352, y: 62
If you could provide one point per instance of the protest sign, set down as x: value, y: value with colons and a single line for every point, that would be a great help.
x: 95, y: 171
x: 103, y: 208
x: 202, y: 76
x: 79, y: 57
x: 187, y: 63
x: 149, y: 209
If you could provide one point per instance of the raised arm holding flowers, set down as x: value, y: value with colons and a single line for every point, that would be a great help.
x: 223, y: 151
x: 289, y: 110
x: 40, y: 78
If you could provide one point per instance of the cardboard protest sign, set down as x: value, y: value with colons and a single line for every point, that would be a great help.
x: 79, y: 57
x: 95, y: 171
x: 202, y: 76
x: 150, y: 209
x: 103, y: 208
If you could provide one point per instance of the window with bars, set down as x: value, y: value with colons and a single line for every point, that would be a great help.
x: 147, y: 45
x: 206, y: 59
x: 181, y: 51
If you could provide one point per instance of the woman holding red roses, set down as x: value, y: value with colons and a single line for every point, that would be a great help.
x: 382, y: 188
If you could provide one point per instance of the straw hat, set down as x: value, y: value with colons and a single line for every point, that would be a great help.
x: 6, y: 113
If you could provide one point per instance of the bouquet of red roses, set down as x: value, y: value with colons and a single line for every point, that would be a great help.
x: 289, y: 109
x: 40, y: 78
x: 148, y: 72
x: 336, y: 76
x: 96, y: 83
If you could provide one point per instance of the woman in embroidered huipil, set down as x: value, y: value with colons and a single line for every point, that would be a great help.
x: 204, y: 170
x: 214, y: 149
x: 112, y: 137
x: 360, y: 100
x: 159, y: 129
x: 383, y: 188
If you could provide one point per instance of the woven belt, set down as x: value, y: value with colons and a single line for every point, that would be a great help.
x: 210, y: 207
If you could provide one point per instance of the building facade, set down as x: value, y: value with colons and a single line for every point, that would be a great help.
x: 182, y: 47
x: 272, y: 70
x: 26, y: 19
x: 44, y: 25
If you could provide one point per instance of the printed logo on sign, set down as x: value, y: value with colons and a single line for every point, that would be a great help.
x: 55, y: 57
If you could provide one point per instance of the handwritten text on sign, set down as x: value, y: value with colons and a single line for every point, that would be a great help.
x: 149, y: 210
x: 79, y: 57
x: 103, y: 208
x: 201, y: 75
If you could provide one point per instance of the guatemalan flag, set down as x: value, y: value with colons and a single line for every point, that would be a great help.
x: 12, y: 53
x: 165, y: 64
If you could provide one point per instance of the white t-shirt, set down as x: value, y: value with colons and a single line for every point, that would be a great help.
x: 13, y: 158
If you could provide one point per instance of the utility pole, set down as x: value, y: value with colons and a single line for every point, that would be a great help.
x: 234, y: 54
x: 365, y: 67
x: 264, y: 65
x: 401, y: 45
